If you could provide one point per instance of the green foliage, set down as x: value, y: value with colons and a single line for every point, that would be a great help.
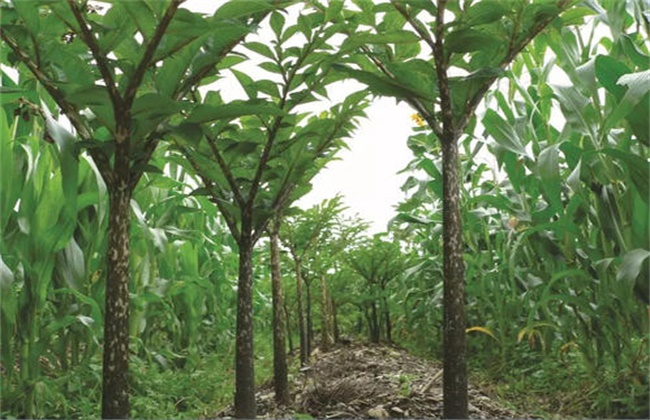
x: 556, y: 247
x: 260, y: 153
x: 556, y: 234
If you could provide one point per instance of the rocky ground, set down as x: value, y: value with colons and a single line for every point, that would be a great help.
x: 370, y: 381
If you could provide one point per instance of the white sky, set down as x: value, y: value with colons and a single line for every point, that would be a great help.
x: 366, y: 175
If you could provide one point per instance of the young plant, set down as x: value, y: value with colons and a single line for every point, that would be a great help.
x: 256, y: 156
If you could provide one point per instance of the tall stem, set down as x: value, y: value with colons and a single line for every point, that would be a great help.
x: 455, y: 365
x: 244, y: 356
x: 304, y: 355
x: 115, y: 390
x: 280, y: 376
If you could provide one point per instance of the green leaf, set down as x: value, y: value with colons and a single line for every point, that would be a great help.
x: 28, y: 11
x: 246, y: 82
x: 154, y: 105
x: 6, y: 277
x: 503, y: 133
x: 548, y: 167
x: 469, y: 40
x: 174, y: 68
x: 486, y: 11
x: 117, y: 25
x: 143, y: 17
x: 191, y: 133
x: 334, y: 9
x: 632, y: 51
x: 379, y: 84
x: 235, y: 109
x: 277, y: 23
x: 393, y: 37
x: 633, y: 104
x: 69, y: 162
x: 261, y: 49
x: 608, y: 71
x: 239, y: 8
x: 10, y: 187
x: 576, y: 15
x: 418, y: 75
x: 71, y: 265
x: 89, y: 96
x: 577, y: 109
x: 638, y: 84
x: 638, y: 169
x: 631, y: 266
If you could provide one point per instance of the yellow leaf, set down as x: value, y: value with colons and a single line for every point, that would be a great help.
x: 483, y: 330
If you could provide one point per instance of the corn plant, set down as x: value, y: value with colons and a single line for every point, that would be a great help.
x: 50, y: 318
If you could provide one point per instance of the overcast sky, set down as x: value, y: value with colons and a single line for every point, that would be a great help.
x: 366, y: 175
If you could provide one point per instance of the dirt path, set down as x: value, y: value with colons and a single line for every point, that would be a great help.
x: 366, y: 381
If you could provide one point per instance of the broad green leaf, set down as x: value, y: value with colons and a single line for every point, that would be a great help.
x: 633, y: 105
x: 89, y: 95
x: 239, y: 8
x: 503, y: 133
x: 334, y: 9
x: 174, y: 68
x: 587, y: 76
x: 576, y: 15
x: 469, y: 40
x: 577, y: 109
x: 230, y: 111
x: 548, y: 168
x: 154, y: 106
x: 379, y: 84
x: 486, y: 11
x: 6, y: 277
x: 573, y: 180
x: 260, y: 48
x: 117, y: 25
x: 418, y: 75
x: 191, y: 133
x: 638, y: 169
x: 632, y: 51
x: 71, y: 265
x: 69, y: 161
x: 428, y: 5
x: 634, y: 102
x: 608, y: 71
x: 143, y: 16
x: 631, y: 266
x: 246, y: 82
x: 277, y: 23
x: 29, y: 12
x: 364, y: 38
x: 638, y: 84
x: 9, y: 186
x: 640, y: 221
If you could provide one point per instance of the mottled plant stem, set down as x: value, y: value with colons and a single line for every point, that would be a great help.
x: 115, y: 389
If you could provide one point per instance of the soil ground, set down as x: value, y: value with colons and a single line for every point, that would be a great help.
x: 370, y: 381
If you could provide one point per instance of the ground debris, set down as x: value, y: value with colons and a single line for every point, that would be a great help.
x: 370, y: 381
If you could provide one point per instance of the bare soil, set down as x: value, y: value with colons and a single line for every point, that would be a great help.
x: 370, y: 381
